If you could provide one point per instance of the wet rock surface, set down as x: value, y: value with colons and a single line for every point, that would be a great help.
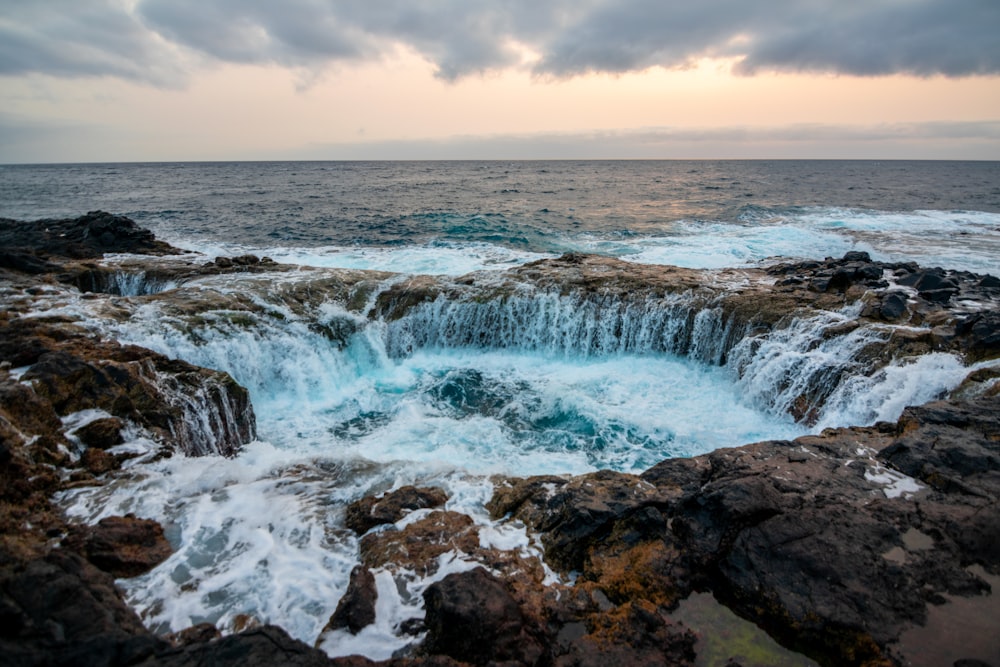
x: 88, y: 236
x: 122, y: 546
x: 356, y: 610
x: 840, y: 545
x: 72, y: 370
x: 365, y: 514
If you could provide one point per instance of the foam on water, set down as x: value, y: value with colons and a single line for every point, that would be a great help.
x: 959, y: 240
x: 883, y: 395
x: 436, y: 258
x: 447, y: 395
x: 717, y: 245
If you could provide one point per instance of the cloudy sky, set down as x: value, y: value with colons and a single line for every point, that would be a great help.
x: 110, y: 80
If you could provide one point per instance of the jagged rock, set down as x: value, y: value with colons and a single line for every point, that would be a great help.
x: 573, y: 515
x: 836, y: 543
x: 203, y: 632
x: 23, y: 407
x: 981, y: 332
x: 98, y: 461
x: 363, y: 515
x: 71, y: 371
x: 893, y: 306
x: 60, y: 610
x: 89, y: 235
x: 418, y: 545
x: 356, y: 609
x: 101, y: 433
x: 266, y: 646
x: 122, y: 546
x: 472, y: 617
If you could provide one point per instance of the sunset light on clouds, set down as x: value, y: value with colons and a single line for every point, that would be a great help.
x: 94, y: 80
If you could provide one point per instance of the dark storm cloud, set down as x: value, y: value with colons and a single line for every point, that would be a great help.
x: 144, y: 39
x: 77, y: 38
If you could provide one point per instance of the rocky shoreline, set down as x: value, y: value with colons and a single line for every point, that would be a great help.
x: 848, y: 546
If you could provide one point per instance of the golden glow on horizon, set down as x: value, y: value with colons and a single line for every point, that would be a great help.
x: 247, y: 112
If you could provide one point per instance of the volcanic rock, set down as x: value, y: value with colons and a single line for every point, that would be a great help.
x: 356, y: 608
x: 71, y: 371
x: 368, y: 512
x: 123, y: 546
x: 101, y: 433
x: 472, y: 617
x: 89, y: 235
x: 836, y: 544
x: 60, y: 610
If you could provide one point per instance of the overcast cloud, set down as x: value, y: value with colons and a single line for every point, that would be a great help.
x: 160, y: 41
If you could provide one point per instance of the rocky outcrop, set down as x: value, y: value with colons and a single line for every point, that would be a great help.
x: 356, y: 609
x: 836, y: 544
x: 841, y: 545
x: 473, y: 618
x: 122, y: 546
x: 28, y: 245
x: 368, y: 512
x: 198, y: 410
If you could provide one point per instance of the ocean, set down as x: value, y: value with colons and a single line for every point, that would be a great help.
x: 262, y: 533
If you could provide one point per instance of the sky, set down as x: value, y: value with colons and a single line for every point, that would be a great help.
x: 168, y: 80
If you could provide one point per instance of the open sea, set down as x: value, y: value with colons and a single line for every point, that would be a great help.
x: 262, y: 533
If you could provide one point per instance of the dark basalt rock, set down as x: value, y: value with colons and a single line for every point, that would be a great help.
x: 356, y: 609
x: 72, y: 371
x: 60, y: 610
x: 101, y: 433
x: 365, y: 514
x: 472, y: 617
x: 572, y: 515
x: 266, y: 646
x: 121, y: 546
x: 87, y: 236
x: 893, y: 306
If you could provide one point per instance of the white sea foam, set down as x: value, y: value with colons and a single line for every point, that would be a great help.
x: 960, y: 240
x: 721, y: 245
x: 881, y: 396
x: 452, y: 259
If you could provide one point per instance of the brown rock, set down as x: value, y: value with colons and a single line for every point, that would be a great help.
x: 365, y: 514
x: 472, y: 617
x: 98, y: 461
x: 202, y: 632
x: 102, y: 433
x: 122, y: 546
x: 356, y: 609
x: 419, y: 544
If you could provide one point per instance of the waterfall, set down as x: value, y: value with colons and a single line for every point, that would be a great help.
x: 123, y: 283
x: 569, y: 325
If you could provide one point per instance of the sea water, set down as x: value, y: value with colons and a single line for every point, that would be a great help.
x: 453, y: 394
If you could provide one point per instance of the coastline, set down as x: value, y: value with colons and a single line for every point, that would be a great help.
x: 838, y: 543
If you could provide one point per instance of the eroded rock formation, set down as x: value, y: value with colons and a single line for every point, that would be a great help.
x: 840, y: 545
